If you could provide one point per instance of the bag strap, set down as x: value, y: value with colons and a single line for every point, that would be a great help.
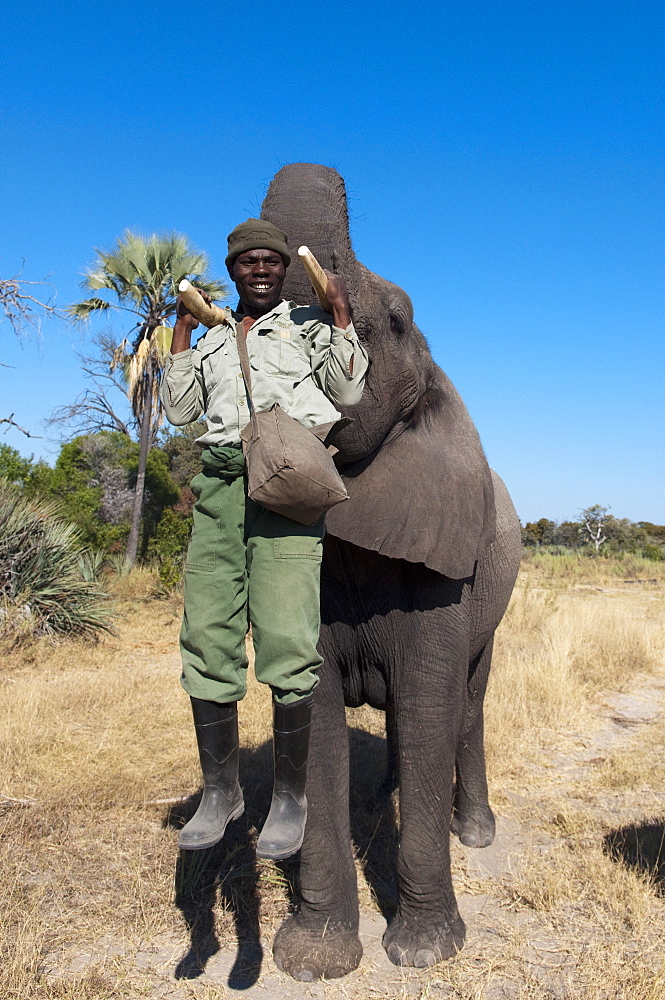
x: 241, y: 343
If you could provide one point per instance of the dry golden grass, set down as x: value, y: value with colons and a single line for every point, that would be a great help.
x: 556, y: 651
x: 99, y: 770
x: 578, y: 567
x: 141, y: 584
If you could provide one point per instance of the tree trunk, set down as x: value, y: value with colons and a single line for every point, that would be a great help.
x: 144, y: 448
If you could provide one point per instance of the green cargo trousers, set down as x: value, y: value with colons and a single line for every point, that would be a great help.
x: 247, y: 565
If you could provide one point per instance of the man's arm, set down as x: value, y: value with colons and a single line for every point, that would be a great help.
x: 338, y: 297
x: 339, y: 361
x: 184, y: 324
x: 181, y: 392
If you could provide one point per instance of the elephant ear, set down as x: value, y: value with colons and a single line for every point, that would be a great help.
x: 426, y: 495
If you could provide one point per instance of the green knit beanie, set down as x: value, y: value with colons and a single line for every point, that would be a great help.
x: 257, y: 234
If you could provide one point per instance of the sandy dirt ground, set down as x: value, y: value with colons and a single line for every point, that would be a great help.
x: 515, y: 947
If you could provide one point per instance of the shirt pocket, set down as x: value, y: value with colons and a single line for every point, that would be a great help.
x: 285, y: 352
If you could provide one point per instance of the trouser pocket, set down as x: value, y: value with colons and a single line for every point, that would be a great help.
x: 297, y: 541
x: 201, y: 554
x: 284, y: 604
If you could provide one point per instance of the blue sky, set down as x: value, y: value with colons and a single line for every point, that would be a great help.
x: 504, y: 164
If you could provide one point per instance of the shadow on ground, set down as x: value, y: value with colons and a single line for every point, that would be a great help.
x: 642, y: 847
x: 227, y: 874
x: 374, y: 817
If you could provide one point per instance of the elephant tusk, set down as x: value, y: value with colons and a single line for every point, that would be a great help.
x: 316, y: 275
x: 208, y: 315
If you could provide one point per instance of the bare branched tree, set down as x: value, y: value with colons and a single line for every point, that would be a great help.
x: 594, y: 518
x: 24, y: 313
x: 23, y: 310
x: 98, y: 407
x: 12, y: 423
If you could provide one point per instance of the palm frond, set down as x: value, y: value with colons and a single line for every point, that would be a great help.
x: 83, y: 310
x: 94, y: 280
x: 137, y: 366
x: 161, y: 338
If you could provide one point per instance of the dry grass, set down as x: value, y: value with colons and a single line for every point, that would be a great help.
x: 99, y: 770
x: 556, y: 652
x: 142, y: 583
x: 577, y: 567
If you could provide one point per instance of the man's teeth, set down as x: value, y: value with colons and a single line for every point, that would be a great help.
x: 261, y: 288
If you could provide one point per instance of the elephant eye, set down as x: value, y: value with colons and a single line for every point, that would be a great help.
x: 396, y: 324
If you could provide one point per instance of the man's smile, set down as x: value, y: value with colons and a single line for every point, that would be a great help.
x: 258, y: 276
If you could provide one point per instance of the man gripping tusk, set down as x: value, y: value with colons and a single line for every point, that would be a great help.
x: 247, y: 565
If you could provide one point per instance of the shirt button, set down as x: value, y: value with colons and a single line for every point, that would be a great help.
x: 242, y: 402
x: 239, y: 374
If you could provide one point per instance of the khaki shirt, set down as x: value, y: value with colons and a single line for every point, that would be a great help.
x: 297, y: 357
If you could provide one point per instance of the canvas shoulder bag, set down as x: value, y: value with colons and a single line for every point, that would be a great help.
x: 289, y: 468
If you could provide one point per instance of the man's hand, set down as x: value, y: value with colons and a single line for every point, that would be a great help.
x: 184, y: 324
x: 183, y: 312
x: 338, y: 297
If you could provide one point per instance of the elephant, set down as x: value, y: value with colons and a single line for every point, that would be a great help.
x: 418, y: 568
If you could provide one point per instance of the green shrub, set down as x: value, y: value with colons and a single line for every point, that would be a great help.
x: 13, y: 467
x: 42, y: 588
x: 168, y: 547
x: 653, y: 552
x: 90, y: 563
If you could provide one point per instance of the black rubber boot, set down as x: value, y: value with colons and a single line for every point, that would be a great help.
x: 284, y: 829
x: 216, y: 729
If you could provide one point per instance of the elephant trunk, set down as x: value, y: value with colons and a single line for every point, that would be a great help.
x: 308, y: 201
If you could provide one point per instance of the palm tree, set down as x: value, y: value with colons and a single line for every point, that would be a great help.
x: 143, y: 275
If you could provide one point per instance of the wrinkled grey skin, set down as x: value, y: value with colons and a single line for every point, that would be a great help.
x: 418, y: 569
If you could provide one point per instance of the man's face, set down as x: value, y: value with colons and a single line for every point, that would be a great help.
x: 258, y: 276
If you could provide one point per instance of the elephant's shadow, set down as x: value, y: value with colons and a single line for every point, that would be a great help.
x: 229, y: 872
x: 640, y: 846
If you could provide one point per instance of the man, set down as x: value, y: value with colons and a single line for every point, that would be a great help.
x: 247, y: 565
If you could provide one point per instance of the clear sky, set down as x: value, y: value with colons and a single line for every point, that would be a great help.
x: 504, y: 163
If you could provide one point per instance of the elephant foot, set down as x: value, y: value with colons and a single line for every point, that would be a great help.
x: 423, y: 943
x: 308, y: 956
x: 475, y: 826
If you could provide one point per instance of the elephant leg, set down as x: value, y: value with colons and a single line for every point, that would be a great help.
x: 321, y: 940
x: 473, y: 820
x: 427, y: 927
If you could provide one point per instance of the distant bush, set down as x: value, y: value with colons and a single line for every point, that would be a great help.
x: 42, y: 585
x: 93, y: 482
x: 168, y: 547
x: 597, y: 532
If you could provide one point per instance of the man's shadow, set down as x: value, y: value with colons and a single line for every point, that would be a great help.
x: 640, y: 846
x: 228, y: 872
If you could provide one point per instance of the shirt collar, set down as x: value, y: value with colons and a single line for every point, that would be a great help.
x: 236, y: 316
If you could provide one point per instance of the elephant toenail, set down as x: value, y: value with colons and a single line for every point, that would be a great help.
x: 397, y: 955
x: 424, y: 958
